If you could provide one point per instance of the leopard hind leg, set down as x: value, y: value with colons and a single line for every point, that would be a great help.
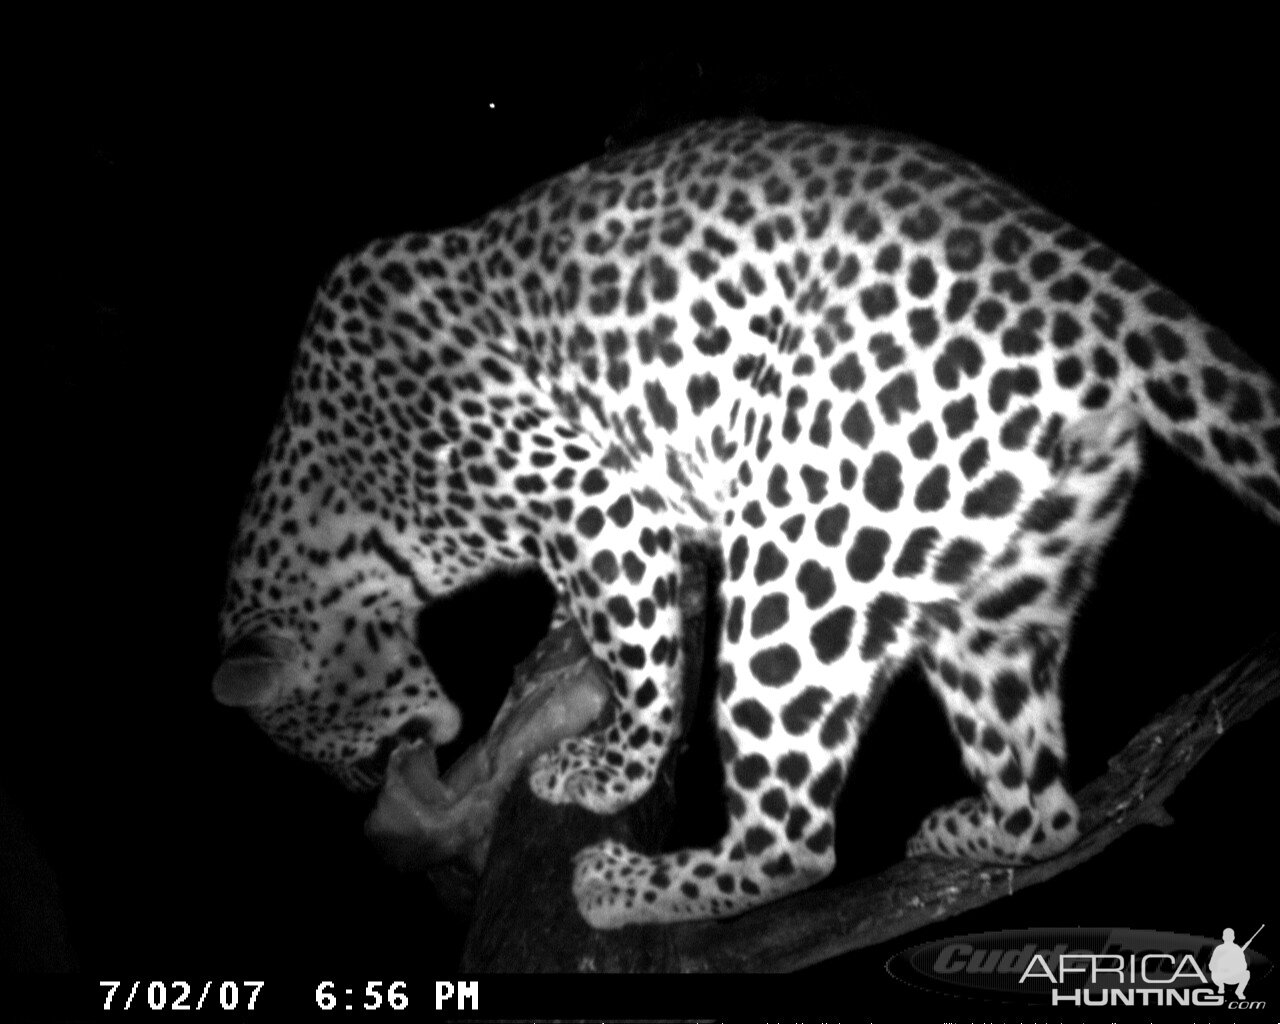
x: 997, y: 674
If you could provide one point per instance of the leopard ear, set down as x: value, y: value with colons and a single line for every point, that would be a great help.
x: 252, y: 672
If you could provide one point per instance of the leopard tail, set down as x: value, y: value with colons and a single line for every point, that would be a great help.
x: 1210, y: 400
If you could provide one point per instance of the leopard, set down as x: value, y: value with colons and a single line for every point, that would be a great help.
x: 905, y: 404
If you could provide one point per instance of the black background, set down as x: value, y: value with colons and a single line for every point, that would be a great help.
x: 206, y: 195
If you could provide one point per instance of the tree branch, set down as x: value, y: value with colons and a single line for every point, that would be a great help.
x: 817, y: 925
x: 525, y: 918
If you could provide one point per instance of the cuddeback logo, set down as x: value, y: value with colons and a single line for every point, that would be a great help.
x: 1089, y: 967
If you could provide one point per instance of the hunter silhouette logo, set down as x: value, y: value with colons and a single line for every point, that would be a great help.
x: 1227, y: 966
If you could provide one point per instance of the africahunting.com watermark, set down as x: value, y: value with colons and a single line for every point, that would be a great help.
x: 1079, y: 967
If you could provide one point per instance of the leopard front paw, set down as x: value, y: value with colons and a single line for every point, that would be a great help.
x: 601, y: 874
x: 578, y: 772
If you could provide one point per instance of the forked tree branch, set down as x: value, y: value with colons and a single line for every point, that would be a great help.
x: 525, y: 919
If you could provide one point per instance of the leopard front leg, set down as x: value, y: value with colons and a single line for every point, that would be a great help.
x: 617, y: 559
x: 797, y: 675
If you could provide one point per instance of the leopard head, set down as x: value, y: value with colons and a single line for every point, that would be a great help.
x: 317, y: 629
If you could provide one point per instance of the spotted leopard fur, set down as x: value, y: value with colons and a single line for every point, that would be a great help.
x: 904, y: 399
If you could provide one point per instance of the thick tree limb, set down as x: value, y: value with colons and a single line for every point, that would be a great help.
x: 817, y: 925
x: 525, y: 919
